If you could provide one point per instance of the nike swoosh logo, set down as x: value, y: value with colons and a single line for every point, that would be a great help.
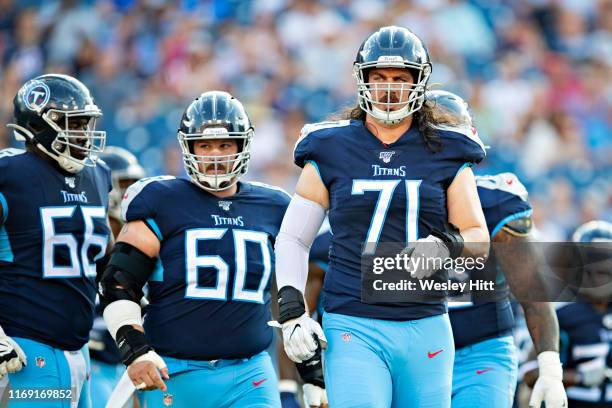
x: 258, y: 383
x: 483, y: 371
x: 294, y: 329
x: 432, y: 355
x: 314, y: 362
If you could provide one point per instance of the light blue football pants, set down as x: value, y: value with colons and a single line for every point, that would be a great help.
x: 485, y: 374
x: 53, y: 378
x: 373, y: 363
x: 227, y: 383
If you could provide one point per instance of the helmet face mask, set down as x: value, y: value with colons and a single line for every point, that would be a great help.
x: 56, y: 113
x: 392, y: 47
x: 225, y: 169
x: 77, y: 146
x: 215, y: 116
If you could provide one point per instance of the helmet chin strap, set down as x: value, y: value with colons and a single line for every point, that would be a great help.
x: 69, y: 165
x: 64, y: 159
x: 390, y: 118
x: 215, y: 182
x: 65, y: 163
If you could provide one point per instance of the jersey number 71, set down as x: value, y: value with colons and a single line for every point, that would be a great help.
x: 386, y: 189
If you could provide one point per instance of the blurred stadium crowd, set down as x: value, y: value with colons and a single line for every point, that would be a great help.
x: 536, y: 72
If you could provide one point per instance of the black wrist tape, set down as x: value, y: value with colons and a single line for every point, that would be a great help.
x: 132, y: 344
x: 290, y: 304
x: 451, y: 238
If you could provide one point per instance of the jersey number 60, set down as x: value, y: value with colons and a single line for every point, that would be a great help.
x: 219, y: 292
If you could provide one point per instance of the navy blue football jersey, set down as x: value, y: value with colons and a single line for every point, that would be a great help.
x: 503, y: 198
x: 380, y: 193
x: 209, y: 299
x: 53, y: 232
x: 586, y: 335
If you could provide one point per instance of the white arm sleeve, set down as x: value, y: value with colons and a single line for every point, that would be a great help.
x: 297, y: 232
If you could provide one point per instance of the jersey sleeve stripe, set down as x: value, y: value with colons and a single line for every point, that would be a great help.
x: 509, y: 218
x: 155, y: 228
x: 314, y: 164
x: 323, y: 265
x: 5, y: 209
x: 6, y: 253
x: 158, y: 272
x: 465, y: 165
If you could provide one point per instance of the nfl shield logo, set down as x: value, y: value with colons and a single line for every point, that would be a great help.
x: 225, y: 205
x: 168, y: 399
x: 40, y: 362
x: 70, y: 181
x: 386, y: 156
x: 346, y: 337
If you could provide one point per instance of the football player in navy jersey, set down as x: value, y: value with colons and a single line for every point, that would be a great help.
x: 53, y: 232
x: 387, y: 174
x: 586, y: 324
x: 485, y: 368
x: 206, y: 329
x: 106, y: 366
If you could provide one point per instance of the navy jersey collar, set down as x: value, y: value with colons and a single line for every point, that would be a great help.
x: 243, y: 188
x: 406, y: 137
